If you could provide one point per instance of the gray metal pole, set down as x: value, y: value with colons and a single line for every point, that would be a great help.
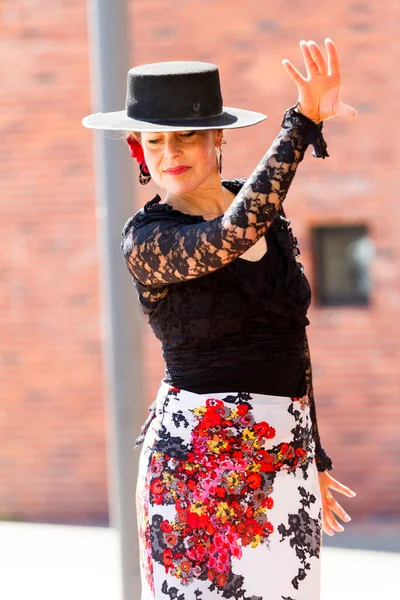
x: 121, y: 316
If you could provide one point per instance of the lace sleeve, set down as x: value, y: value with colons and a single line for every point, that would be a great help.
x: 322, y: 459
x: 168, y: 251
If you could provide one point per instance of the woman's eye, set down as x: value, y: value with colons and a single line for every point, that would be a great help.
x: 187, y: 135
x: 153, y: 141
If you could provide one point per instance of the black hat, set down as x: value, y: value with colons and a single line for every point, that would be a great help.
x: 173, y: 96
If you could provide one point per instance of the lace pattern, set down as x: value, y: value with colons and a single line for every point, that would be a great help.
x: 322, y: 459
x: 164, y: 251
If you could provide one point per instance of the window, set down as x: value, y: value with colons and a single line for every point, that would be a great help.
x: 342, y: 258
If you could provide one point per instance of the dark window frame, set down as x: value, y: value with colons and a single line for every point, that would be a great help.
x: 323, y: 298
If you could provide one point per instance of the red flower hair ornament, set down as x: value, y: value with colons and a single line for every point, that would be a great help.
x: 136, y: 151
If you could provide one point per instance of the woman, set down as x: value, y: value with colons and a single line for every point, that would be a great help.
x: 232, y: 494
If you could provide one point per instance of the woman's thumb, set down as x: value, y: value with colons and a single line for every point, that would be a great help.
x: 347, y: 111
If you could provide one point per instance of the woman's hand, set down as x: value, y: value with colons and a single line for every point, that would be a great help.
x: 330, y: 505
x: 319, y: 91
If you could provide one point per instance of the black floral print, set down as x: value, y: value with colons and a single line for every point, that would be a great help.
x: 304, y: 534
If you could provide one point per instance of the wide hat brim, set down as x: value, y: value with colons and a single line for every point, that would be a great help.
x: 230, y: 118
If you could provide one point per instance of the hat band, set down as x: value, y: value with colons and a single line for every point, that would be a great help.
x: 190, y: 113
x: 173, y: 119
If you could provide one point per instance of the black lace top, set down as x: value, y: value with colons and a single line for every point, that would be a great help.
x: 199, y: 303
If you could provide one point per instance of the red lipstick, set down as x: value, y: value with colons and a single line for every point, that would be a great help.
x: 177, y: 170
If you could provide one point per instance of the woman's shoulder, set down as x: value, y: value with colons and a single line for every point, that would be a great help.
x: 155, y: 210
x: 152, y: 210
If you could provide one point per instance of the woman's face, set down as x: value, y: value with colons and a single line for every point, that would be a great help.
x: 181, y: 161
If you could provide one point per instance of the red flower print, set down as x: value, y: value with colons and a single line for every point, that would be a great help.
x: 186, y: 566
x: 221, y: 579
x: 196, y: 521
x: 254, y: 480
x: 166, y: 526
x: 266, y: 467
x: 220, y: 492
x: 260, y: 429
x: 269, y: 527
x: 211, y: 574
x: 214, y: 402
x: 270, y: 433
x: 197, y: 552
x: 156, y: 486
x: 300, y: 452
x: 267, y: 502
x: 167, y: 558
x: 236, y: 551
x: 237, y: 455
x: 170, y: 538
x: 238, y: 508
x: 249, y: 512
x: 210, y: 419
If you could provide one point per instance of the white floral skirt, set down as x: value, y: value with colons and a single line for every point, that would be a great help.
x: 228, y: 499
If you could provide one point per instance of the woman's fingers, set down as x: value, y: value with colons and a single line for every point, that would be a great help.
x: 334, y: 484
x: 333, y: 524
x: 330, y: 507
x: 326, y: 528
x: 293, y: 72
x: 330, y: 521
x: 347, y: 110
x: 317, y: 57
x: 333, y: 58
x: 319, y: 89
x: 311, y: 67
x: 337, y: 509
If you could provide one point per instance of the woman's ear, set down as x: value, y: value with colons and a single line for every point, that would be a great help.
x: 218, y: 138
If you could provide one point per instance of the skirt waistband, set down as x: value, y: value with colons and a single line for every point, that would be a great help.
x: 195, y: 398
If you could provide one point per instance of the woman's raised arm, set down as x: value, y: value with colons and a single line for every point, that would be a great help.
x: 166, y: 251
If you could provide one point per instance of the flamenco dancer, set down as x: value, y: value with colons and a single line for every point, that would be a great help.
x: 234, y: 485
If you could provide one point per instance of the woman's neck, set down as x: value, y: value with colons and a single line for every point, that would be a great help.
x: 209, y: 201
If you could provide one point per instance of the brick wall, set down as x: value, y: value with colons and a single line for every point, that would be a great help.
x: 53, y: 458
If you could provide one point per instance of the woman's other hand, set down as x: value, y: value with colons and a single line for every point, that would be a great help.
x: 319, y: 91
x: 330, y: 505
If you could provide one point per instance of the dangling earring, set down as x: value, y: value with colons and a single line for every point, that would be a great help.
x: 220, y: 156
x: 220, y: 159
x: 144, y: 175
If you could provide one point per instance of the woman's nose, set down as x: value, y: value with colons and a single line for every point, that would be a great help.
x: 171, y: 147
